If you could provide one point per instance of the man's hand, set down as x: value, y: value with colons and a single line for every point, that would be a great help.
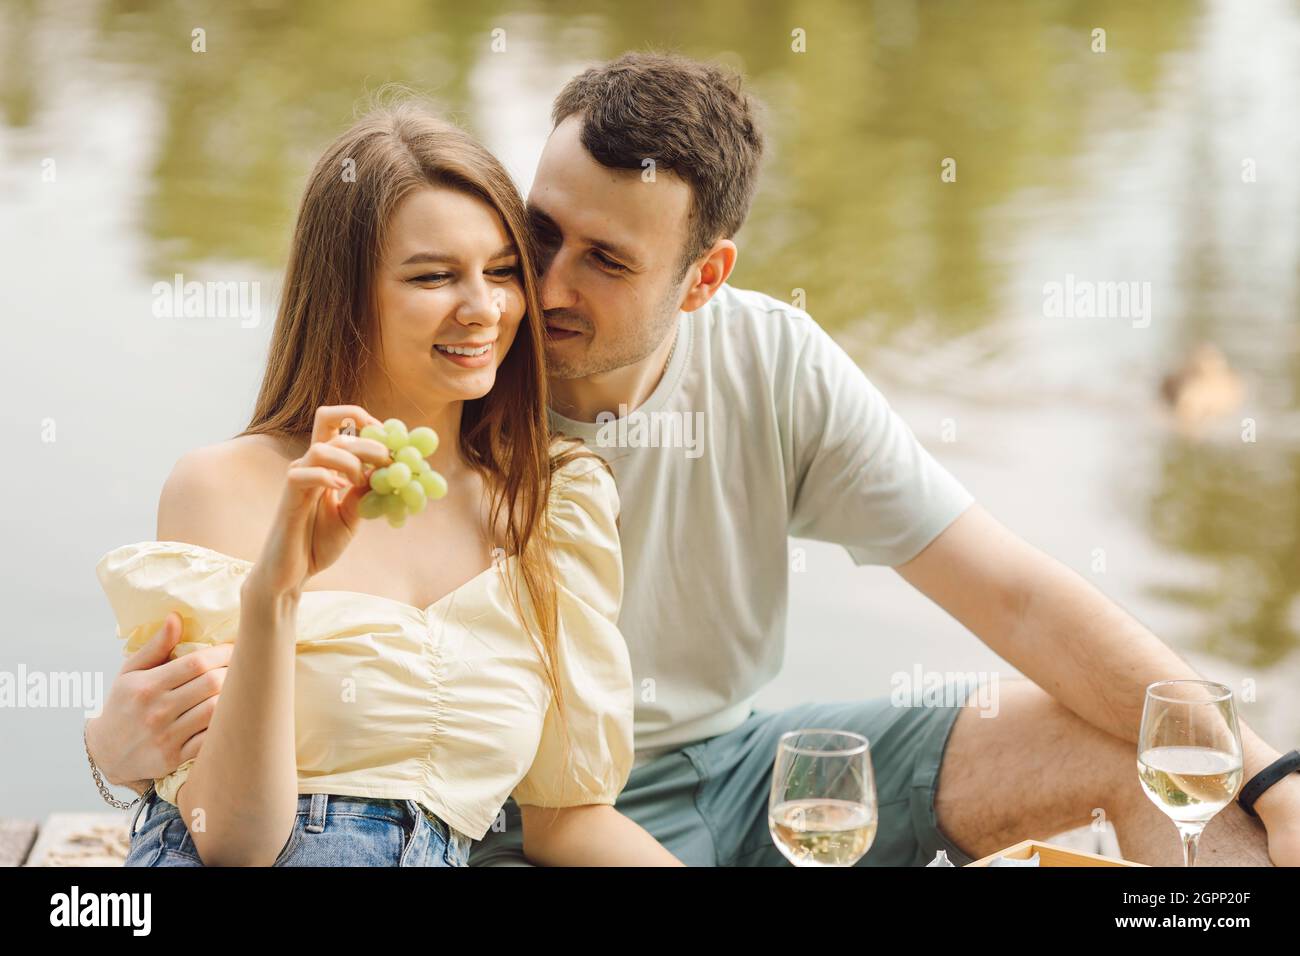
x: 1073, y: 642
x: 157, y: 710
x: 1278, y: 808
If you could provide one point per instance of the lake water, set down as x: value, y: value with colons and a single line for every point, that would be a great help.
x: 1170, y: 160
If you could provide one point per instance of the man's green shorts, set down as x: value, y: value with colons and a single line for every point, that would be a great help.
x: 707, y: 802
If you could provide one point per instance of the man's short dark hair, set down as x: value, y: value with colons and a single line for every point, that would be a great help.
x: 690, y: 117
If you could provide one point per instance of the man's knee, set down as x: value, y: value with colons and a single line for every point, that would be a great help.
x: 1036, y: 760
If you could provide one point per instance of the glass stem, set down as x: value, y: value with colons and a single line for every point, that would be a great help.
x: 1191, y: 840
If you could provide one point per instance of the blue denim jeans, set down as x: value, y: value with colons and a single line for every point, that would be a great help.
x: 328, y: 830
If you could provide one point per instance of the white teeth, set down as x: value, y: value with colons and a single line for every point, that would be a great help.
x: 457, y: 350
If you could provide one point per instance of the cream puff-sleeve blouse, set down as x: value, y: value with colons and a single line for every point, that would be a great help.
x: 446, y: 705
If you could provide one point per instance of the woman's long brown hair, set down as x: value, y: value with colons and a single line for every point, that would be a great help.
x: 328, y: 330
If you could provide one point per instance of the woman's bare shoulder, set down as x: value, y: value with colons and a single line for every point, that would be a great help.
x: 222, y: 496
x: 214, y: 468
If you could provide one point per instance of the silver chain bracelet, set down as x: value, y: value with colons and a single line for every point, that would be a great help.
x: 99, y: 780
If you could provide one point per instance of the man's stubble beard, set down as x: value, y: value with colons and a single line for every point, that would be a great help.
x: 630, y: 349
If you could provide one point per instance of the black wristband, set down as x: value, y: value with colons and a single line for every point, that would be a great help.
x: 1279, y: 768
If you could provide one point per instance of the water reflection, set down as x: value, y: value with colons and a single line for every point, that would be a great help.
x: 852, y: 208
x: 1240, y: 513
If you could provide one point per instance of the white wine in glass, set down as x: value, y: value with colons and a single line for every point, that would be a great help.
x: 1189, y: 754
x: 822, y: 808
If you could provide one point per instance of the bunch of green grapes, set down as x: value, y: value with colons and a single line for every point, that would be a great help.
x: 406, y: 485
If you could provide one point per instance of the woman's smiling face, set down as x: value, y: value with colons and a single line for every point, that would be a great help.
x: 450, y: 296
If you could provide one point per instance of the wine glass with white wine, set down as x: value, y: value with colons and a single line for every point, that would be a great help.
x: 1189, y: 754
x: 822, y: 808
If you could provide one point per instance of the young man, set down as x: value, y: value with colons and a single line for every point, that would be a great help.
x: 766, y: 429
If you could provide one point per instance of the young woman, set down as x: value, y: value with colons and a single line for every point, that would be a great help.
x: 391, y: 687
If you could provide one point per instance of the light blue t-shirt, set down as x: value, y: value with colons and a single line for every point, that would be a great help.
x: 761, y: 428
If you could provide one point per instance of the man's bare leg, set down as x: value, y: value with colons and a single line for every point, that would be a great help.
x: 1038, y: 769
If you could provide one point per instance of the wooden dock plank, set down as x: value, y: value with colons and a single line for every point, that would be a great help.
x: 16, y: 839
x: 81, y: 839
